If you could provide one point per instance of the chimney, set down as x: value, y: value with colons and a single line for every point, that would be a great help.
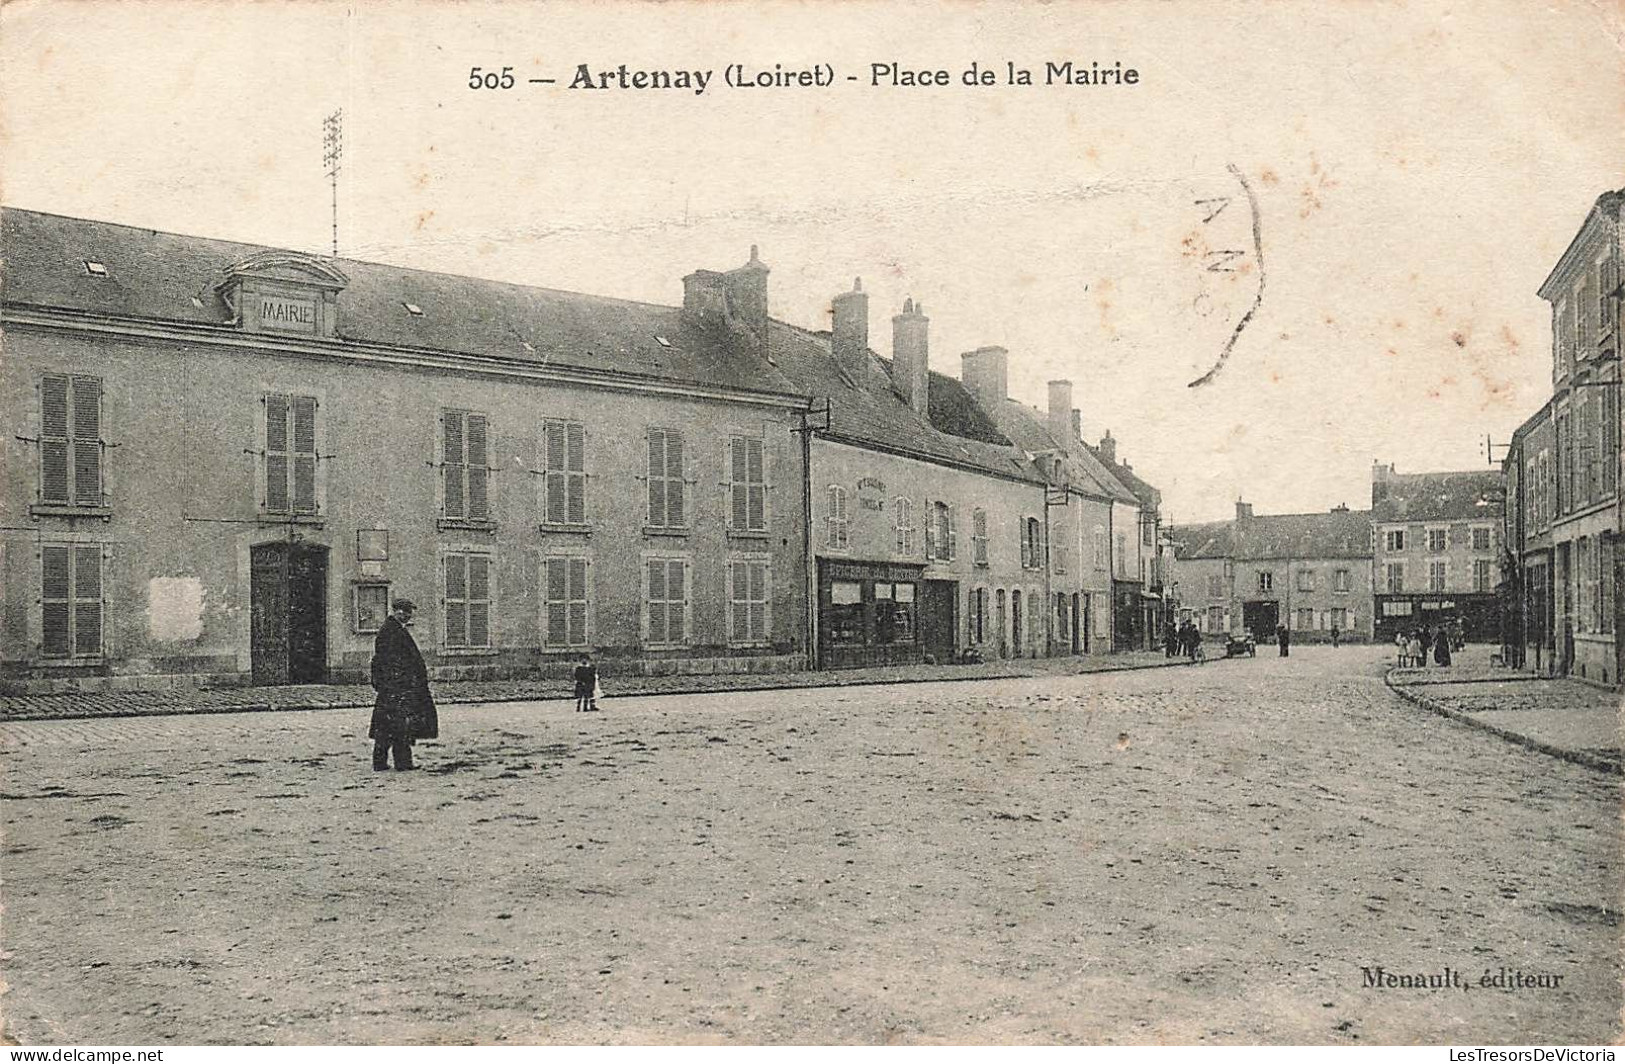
x: 910, y: 355
x: 737, y: 298
x: 1108, y: 448
x: 1060, y: 410
x: 1244, y: 510
x: 1380, y: 475
x: 986, y: 373
x: 849, y: 331
x: 1077, y: 425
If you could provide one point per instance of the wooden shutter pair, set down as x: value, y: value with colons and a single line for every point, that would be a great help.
x: 468, y: 600
x: 564, y: 450
x: 290, y: 454
x: 667, y: 599
x: 70, y: 601
x: 71, y: 440
x: 747, y: 485
x: 465, y: 465
x: 666, y: 501
x: 567, y: 602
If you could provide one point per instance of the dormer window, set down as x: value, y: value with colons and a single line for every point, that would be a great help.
x: 283, y: 292
x: 413, y: 309
x: 94, y: 268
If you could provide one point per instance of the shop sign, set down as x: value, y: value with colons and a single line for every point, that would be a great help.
x: 293, y: 315
x: 871, y: 493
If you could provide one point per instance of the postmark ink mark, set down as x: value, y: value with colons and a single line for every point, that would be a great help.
x: 1258, y: 296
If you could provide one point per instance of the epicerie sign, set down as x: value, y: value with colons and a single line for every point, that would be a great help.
x: 295, y: 315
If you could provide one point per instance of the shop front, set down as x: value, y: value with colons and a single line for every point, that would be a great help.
x: 869, y: 613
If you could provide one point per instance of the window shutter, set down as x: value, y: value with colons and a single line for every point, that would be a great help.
x: 304, y: 454
x: 276, y: 453
x: 479, y: 600
x: 953, y: 536
x: 1026, y: 547
x: 451, y: 462
x: 456, y: 600
x: 657, y: 483
x: 757, y: 572
x: 87, y: 441
x: 756, y: 475
x: 738, y: 602
x: 87, y: 607
x: 475, y: 438
x: 657, y: 601
x: 578, y: 602
x: 54, y: 439
x: 929, y: 519
x: 558, y: 593
x: 674, y: 484
x: 675, y: 589
x: 738, y: 485
x: 55, y: 592
x: 576, y: 461
x: 555, y: 484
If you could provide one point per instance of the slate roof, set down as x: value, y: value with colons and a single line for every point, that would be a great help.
x: 1211, y: 539
x: 1148, y: 497
x: 1439, y: 496
x: 167, y: 277
x: 1337, y: 534
x: 159, y: 276
x: 1028, y: 429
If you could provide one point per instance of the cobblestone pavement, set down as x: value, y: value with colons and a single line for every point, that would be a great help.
x: 347, y: 696
x: 1566, y: 718
x: 1171, y: 855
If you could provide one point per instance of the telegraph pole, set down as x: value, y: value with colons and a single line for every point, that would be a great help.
x: 332, y: 152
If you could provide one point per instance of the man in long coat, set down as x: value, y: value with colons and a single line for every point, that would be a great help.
x: 405, y: 711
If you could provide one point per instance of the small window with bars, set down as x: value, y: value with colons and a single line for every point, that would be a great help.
x: 467, y: 601
x: 666, y: 602
x: 666, y: 480
x: 70, y: 440
x: 290, y: 455
x: 564, y: 472
x: 71, y: 606
x: 465, y: 466
x: 748, y: 598
x: 565, y: 604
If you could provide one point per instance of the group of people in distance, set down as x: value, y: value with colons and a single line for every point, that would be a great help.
x: 405, y: 710
x: 1183, y: 638
x: 1414, y: 647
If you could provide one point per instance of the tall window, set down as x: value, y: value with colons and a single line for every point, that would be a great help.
x: 1215, y: 587
x: 70, y: 601
x: 747, y: 485
x: 468, y: 600
x: 1396, y: 577
x: 1215, y: 618
x: 1057, y: 556
x: 837, y: 525
x: 748, y: 601
x: 1481, y: 576
x: 940, y: 534
x: 465, y: 465
x: 1394, y: 539
x: 1100, y: 547
x: 666, y: 508
x: 1306, y: 579
x: 564, y: 472
x: 1481, y: 539
x: 1122, y: 554
x: 902, y: 527
x: 565, y: 608
x: 1342, y: 580
x: 1608, y: 437
x: 666, y: 606
x: 1436, y: 540
x: 290, y: 454
x: 1032, y: 544
x: 978, y: 535
x: 1306, y: 619
x: 1565, y: 464
x: 1605, y: 584
x: 1437, y: 571
x: 1266, y: 581
x: 70, y: 440
x: 1340, y: 618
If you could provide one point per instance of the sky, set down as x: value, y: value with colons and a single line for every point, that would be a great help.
x: 1417, y: 169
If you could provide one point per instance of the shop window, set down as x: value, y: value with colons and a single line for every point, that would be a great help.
x: 845, y: 620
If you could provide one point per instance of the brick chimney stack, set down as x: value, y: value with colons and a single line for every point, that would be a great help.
x: 737, y: 298
x: 1108, y: 447
x: 1077, y: 424
x: 1380, y: 476
x: 986, y: 374
x: 1060, y: 410
x: 1244, y: 510
x: 911, y: 356
x: 849, y: 331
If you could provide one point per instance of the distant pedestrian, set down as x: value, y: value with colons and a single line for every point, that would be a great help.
x: 1402, y: 652
x: 1283, y: 639
x: 1425, y: 638
x: 1172, y: 636
x: 586, y: 683
x: 1441, y: 649
x: 1190, y: 639
x: 1413, y: 650
x: 405, y: 710
x: 1336, y: 635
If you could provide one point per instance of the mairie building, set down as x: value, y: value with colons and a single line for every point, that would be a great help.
x: 224, y: 461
